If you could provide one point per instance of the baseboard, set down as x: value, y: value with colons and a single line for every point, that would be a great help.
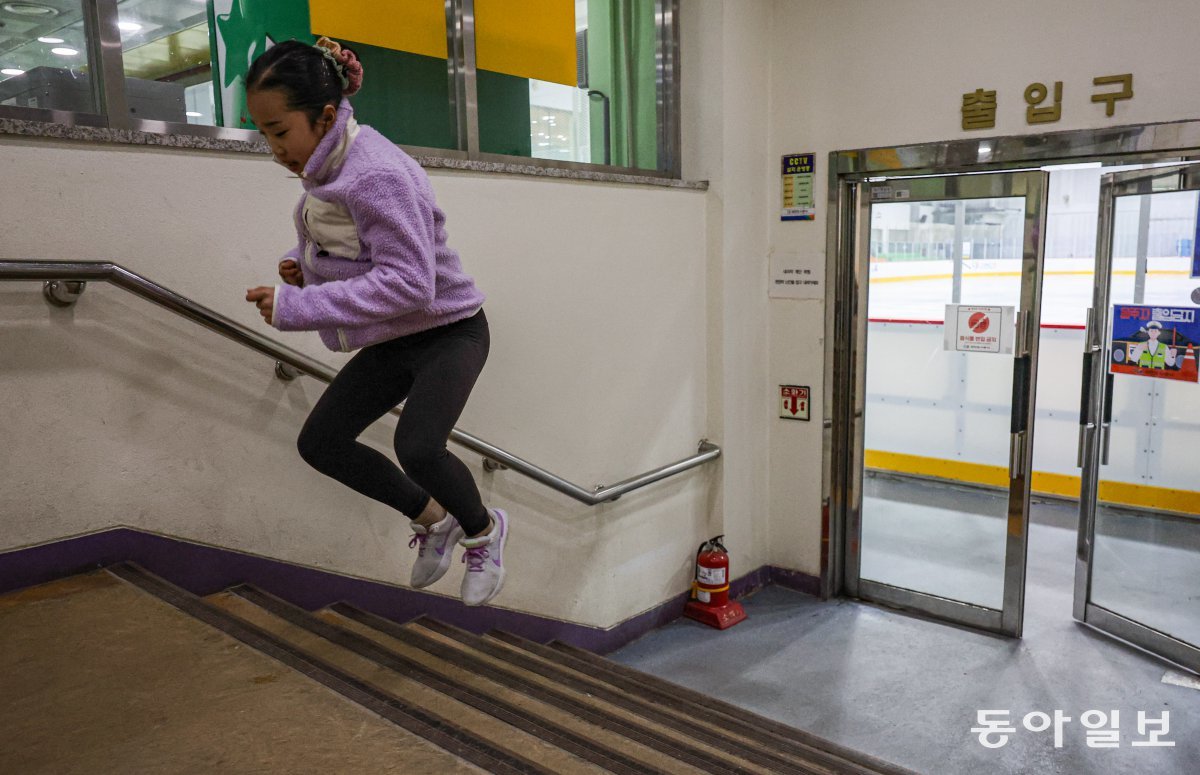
x: 203, y: 570
x: 797, y: 580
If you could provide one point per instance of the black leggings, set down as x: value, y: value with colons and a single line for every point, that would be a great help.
x: 435, y: 370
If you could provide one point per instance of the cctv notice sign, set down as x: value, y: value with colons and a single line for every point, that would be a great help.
x: 974, y: 329
x: 799, y: 169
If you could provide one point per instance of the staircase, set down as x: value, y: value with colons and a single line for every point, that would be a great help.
x: 119, y: 670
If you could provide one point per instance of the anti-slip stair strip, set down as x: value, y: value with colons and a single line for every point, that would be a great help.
x: 405, y: 688
x: 753, y: 727
x: 436, y: 730
x: 630, y: 678
x: 566, y: 701
x: 514, y: 715
x: 730, y: 744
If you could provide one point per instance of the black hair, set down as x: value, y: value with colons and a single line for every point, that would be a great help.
x: 308, y: 80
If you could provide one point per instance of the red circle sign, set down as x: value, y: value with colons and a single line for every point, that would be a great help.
x: 979, y: 322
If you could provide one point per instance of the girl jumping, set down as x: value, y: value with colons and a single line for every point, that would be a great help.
x: 372, y: 272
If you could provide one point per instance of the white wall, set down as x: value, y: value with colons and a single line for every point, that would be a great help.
x: 870, y: 73
x: 117, y: 413
x: 725, y: 101
x: 628, y: 321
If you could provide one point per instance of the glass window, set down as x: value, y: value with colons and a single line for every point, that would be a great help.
x: 1152, y: 248
x: 43, y: 57
x: 166, y: 47
x: 621, y: 71
x: 918, y: 248
x: 560, y: 123
x: 405, y: 95
x: 573, y: 82
x: 559, y: 80
x: 185, y: 62
x: 925, y: 402
x: 402, y: 46
x: 1152, y: 242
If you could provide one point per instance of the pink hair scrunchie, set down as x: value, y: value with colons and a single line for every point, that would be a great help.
x: 345, y: 62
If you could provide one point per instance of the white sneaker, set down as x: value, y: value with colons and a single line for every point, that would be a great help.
x: 485, y: 562
x: 434, y: 550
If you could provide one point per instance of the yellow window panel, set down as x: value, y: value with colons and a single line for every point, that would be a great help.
x: 415, y: 26
x: 527, y: 38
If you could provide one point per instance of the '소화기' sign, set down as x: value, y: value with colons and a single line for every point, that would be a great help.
x: 793, y: 402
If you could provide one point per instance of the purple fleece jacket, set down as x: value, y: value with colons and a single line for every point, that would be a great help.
x: 404, y: 279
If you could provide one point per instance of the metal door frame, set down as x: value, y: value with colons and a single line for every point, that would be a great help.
x: 1148, y: 143
x: 1030, y: 185
x: 1094, y: 417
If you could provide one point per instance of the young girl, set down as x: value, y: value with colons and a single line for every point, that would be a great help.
x: 372, y: 270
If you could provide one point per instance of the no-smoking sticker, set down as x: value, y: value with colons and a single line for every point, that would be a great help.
x: 971, y: 329
x: 979, y: 322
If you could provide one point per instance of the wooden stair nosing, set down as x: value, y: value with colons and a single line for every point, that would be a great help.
x: 511, y: 714
x: 797, y: 742
x: 769, y: 725
x: 565, y: 700
x: 441, y: 732
x: 730, y: 744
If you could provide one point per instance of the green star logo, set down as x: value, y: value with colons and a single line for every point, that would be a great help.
x: 248, y: 29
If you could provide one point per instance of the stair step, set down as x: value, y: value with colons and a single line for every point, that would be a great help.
x: 403, y: 679
x: 682, y: 720
x: 478, y: 655
x: 98, y: 676
x: 768, y: 733
x: 441, y: 732
x: 624, y: 755
x: 55, y: 590
x: 425, y: 697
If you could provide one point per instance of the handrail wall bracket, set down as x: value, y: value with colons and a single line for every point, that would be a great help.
x: 285, y: 372
x: 63, y: 293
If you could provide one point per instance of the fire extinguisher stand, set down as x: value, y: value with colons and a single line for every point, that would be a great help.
x: 710, y: 603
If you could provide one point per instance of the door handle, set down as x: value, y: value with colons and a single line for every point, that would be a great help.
x: 1016, y: 454
x: 1021, y: 347
x: 1085, y: 405
x: 1106, y: 421
x: 1020, y: 394
x: 1020, y: 413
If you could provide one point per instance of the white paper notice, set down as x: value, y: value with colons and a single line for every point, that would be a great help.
x: 797, y: 276
x: 974, y: 329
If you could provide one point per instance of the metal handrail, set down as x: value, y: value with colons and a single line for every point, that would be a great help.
x: 115, y: 274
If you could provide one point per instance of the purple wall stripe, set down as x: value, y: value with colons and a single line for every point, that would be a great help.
x: 794, y: 579
x: 46, y: 562
x: 203, y: 570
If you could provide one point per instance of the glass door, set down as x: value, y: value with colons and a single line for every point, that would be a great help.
x: 1138, y: 558
x: 949, y: 275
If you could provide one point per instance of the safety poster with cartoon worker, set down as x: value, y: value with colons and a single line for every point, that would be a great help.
x: 1160, y: 342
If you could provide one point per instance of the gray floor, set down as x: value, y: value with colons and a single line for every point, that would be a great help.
x: 903, y: 540
x: 950, y: 541
x: 908, y: 690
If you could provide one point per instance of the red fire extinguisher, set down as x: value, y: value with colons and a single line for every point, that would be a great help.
x: 710, y: 601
